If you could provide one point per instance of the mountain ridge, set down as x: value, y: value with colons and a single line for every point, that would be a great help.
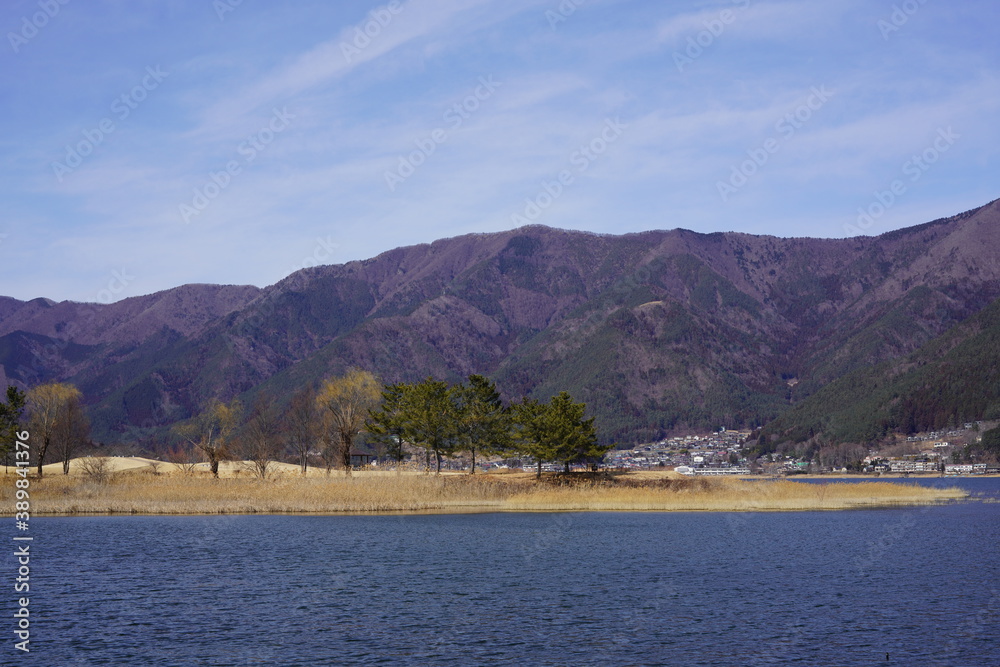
x: 658, y: 330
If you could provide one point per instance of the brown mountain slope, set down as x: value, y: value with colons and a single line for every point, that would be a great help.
x: 186, y: 310
x: 657, y: 331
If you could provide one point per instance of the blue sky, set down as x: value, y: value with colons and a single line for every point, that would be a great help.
x: 153, y: 144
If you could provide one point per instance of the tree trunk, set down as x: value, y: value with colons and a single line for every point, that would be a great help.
x: 566, y: 470
x: 213, y: 462
x: 345, y: 453
x: 41, y: 456
x: 539, y: 475
x: 473, y: 450
x: 438, y: 455
x: 65, y: 466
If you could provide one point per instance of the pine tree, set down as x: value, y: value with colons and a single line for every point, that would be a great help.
x: 556, y: 431
x: 431, y: 417
x: 483, y: 421
x: 388, y: 424
x: 531, y: 432
x: 10, y: 420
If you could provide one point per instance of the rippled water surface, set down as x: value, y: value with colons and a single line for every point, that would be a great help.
x: 810, y: 588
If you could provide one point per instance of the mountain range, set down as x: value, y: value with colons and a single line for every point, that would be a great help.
x: 658, y: 332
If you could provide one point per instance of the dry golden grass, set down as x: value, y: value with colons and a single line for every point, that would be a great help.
x: 715, y: 494
x: 145, y: 491
x: 201, y: 494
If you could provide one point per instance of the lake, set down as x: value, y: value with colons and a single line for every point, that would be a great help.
x: 809, y: 588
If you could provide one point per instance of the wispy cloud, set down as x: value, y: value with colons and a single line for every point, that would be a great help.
x: 360, y: 106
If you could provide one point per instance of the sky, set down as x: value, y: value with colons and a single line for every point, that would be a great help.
x: 150, y: 144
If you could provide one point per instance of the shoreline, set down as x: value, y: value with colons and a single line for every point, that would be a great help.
x: 145, y: 493
x: 473, y: 509
x: 874, y: 478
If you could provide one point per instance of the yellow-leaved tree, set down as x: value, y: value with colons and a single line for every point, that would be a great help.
x: 344, y: 403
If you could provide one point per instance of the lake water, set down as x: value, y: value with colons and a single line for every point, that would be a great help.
x: 808, y: 588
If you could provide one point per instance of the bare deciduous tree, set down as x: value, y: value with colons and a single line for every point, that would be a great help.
x: 261, y: 438
x: 300, y: 423
x: 212, y: 430
x: 184, y: 457
x: 47, y: 406
x: 330, y: 453
x: 72, y: 430
x: 96, y: 468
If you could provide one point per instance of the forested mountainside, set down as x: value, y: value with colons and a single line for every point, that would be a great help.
x: 657, y: 331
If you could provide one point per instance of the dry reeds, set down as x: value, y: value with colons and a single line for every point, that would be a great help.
x: 187, y: 494
x: 703, y: 494
x: 140, y: 492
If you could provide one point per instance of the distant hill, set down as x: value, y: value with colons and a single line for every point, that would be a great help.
x: 658, y: 331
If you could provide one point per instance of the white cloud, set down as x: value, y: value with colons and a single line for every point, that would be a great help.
x: 324, y: 174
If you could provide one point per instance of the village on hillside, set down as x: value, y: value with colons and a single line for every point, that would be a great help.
x: 729, y: 453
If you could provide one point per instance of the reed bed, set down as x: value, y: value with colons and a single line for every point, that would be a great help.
x: 701, y: 494
x: 145, y: 493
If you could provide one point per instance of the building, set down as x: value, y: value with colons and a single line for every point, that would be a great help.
x: 914, y: 466
x: 965, y: 468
